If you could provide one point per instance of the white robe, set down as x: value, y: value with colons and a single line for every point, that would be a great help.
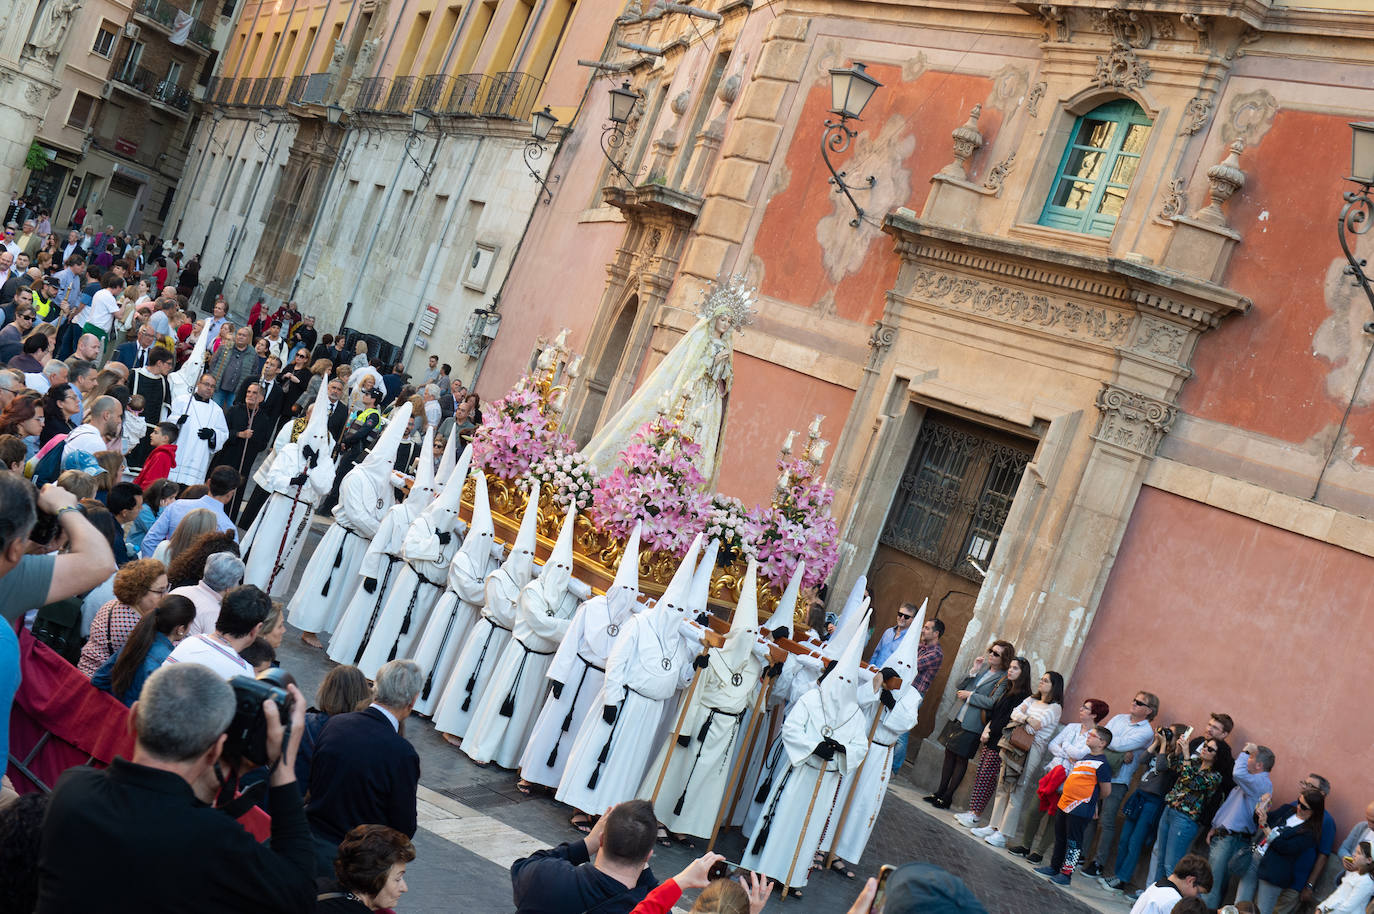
x: 698, y: 770
x: 804, y: 786
x: 645, y: 667
x: 506, y: 711
x: 798, y: 676
x: 580, y: 665
x: 415, y: 590
x: 193, y: 453
x: 270, y: 549
x: 331, y: 575
x: 477, y: 660
x: 870, y: 786
x: 381, y: 562
x: 449, y: 624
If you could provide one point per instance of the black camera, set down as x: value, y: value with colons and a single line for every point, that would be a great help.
x: 1167, y: 733
x: 248, y: 730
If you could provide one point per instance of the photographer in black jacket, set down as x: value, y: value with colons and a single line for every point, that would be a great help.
x: 138, y: 836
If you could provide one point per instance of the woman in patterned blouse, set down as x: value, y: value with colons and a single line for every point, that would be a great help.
x: 1197, y: 781
x: 138, y: 587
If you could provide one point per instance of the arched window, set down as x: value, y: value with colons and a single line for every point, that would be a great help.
x: 1096, y: 171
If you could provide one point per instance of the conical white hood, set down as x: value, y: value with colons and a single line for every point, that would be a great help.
x: 183, y: 380
x: 382, y: 458
x: 903, y: 659
x: 625, y: 587
x: 316, y: 432
x: 520, y: 563
x: 744, y: 627
x: 678, y: 592
x: 443, y: 511
x: 839, y: 691
x: 786, y: 613
x: 422, y: 490
x: 481, y: 532
x: 559, y: 568
x: 851, y: 618
x: 447, y: 461
x: 458, y: 472
x: 701, y: 579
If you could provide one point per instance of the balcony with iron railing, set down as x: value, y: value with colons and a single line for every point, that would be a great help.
x: 145, y: 82
x: 164, y: 14
x: 372, y: 95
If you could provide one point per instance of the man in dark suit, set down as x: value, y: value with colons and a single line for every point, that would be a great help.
x: 270, y: 385
x: 363, y: 770
x: 134, y: 354
x: 338, y: 409
x: 144, y: 823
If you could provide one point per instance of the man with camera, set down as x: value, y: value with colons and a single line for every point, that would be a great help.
x: 137, y: 835
x: 607, y: 871
x: 241, y: 614
x: 29, y: 581
x: 364, y: 772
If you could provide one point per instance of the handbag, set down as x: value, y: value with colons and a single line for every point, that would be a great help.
x: 951, y: 730
x: 1131, y: 809
x: 1021, y: 739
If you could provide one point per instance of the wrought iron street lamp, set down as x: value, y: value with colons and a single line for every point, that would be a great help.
x: 334, y: 114
x: 420, y: 120
x: 1355, y: 215
x: 623, y: 100
x: 850, y: 89
x: 541, y: 122
x: 260, y: 129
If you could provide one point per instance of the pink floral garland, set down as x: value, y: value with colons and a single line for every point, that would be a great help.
x: 656, y: 484
x: 515, y: 435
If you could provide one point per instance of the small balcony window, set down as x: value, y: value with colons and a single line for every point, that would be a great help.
x: 104, y: 41
x: 1099, y: 164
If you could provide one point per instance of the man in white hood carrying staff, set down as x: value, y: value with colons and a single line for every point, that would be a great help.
x: 651, y: 660
x: 851, y: 823
x: 824, y: 736
x: 506, y: 710
x: 686, y: 783
x: 577, y: 672
x: 380, y: 562
x: 366, y: 494
x: 429, y: 546
x: 301, y: 474
x: 488, y: 638
x: 458, y: 607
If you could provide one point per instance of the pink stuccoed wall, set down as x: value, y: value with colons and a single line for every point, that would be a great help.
x: 1216, y: 612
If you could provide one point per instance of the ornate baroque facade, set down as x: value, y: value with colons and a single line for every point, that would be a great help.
x: 1097, y: 366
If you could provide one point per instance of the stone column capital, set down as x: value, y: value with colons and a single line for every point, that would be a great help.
x: 1132, y: 420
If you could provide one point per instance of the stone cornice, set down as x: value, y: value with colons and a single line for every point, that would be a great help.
x: 1110, y: 280
x: 654, y: 200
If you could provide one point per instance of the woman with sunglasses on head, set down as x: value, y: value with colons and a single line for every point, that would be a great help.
x: 1039, y: 714
x: 1016, y: 688
x: 1286, y: 834
x: 962, y: 735
x: 1197, y: 780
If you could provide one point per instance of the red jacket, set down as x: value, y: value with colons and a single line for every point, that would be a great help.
x: 159, y: 463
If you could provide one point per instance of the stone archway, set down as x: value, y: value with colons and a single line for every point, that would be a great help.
x: 614, y: 350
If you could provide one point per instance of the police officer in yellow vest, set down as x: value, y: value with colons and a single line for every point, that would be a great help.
x: 44, y: 300
x: 358, y: 436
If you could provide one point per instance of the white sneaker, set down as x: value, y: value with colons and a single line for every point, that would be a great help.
x: 996, y: 839
x: 966, y: 819
x: 983, y: 832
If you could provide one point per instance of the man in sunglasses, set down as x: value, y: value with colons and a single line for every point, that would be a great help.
x: 12, y: 336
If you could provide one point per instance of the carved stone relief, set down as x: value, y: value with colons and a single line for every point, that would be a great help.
x: 1195, y: 116
x: 1056, y: 22
x: 1054, y: 315
x: 998, y: 175
x: 1133, y: 420
x: 1009, y: 86
x: 1160, y: 339
x: 1121, y: 69
x: 1174, y: 200
x: 1249, y: 116
x: 1037, y: 95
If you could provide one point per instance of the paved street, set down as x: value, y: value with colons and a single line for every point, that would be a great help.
x: 474, y: 823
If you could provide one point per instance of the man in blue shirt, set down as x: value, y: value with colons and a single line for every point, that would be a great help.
x: 1233, y: 826
x: 893, y: 636
x: 223, y: 483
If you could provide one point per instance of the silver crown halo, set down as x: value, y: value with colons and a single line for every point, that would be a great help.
x: 733, y: 297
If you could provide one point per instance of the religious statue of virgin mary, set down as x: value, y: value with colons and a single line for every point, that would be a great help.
x: 693, y: 379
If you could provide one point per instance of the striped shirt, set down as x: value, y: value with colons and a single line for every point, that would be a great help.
x: 208, y: 650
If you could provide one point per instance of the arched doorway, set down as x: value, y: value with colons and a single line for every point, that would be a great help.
x: 613, y: 355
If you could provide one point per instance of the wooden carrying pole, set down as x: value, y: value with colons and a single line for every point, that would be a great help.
x: 672, y: 740
x: 849, y: 800
x: 806, y: 824
x: 727, y: 800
